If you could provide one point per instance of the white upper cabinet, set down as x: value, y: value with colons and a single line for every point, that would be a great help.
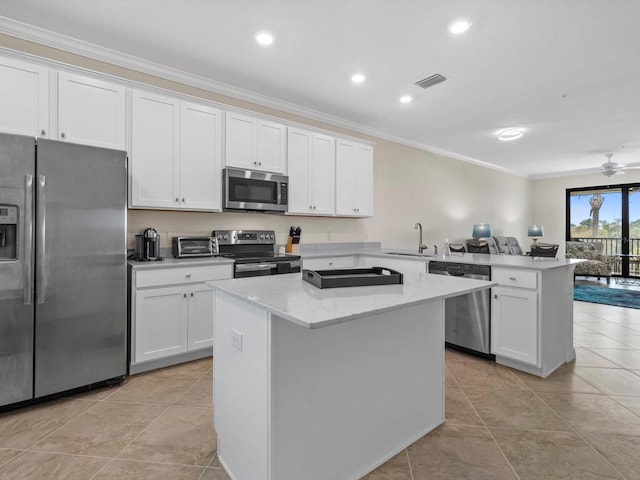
x: 255, y: 144
x: 155, y: 150
x: 91, y: 111
x: 354, y: 179
x: 311, y: 167
x: 24, y: 98
x: 200, y: 157
x: 175, y: 154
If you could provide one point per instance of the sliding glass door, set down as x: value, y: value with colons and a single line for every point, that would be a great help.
x: 611, y: 215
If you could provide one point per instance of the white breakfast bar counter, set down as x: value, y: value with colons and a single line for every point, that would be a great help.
x: 321, y: 384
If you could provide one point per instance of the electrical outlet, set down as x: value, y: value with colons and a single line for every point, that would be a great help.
x: 236, y: 339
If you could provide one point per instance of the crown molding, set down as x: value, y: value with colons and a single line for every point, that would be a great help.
x: 51, y: 39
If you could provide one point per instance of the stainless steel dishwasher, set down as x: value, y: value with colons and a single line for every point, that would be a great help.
x: 467, y: 317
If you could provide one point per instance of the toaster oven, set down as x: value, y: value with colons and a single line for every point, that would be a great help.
x: 184, y: 247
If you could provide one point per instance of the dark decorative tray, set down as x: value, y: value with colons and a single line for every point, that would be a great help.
x: 352, y: 277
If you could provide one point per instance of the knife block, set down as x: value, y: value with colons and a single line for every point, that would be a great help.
x: 293, y: 244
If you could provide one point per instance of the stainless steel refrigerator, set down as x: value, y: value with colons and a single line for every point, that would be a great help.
x: 63, y: 319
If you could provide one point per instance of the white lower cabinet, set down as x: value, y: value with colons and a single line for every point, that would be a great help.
x: 161, y: 322
x: 172, y: 312
x: 329, y: 262
x: 514, y: 315
x: 402, y: 266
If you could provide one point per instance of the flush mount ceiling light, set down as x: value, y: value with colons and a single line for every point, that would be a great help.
x: 405, y: 99
x: 459, y: 27
x: 264, y: 38
x: 358, y: 78
x: 510, y: 134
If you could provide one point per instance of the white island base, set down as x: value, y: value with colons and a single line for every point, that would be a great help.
x: 296, y: 403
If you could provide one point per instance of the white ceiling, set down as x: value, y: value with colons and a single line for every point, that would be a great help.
x: 568, y: 72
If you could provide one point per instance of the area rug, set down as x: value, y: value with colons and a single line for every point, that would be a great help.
x: 607, y: 296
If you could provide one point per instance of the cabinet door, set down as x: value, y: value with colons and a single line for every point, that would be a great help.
x: 364, y: 180
x: 91, y: 112
x: 255, y: 144
x: 270, y: 147
x: 200, y: 157
x: 514, y: 324
x: 24, y: 98
x: 345, y: 178
x: 155, y: 149
x: 354, y: 179
x: 201, y: 310
x: 240, y: 144
x: 323, y: 175
x: 299, y: 159
x: 160, y: 323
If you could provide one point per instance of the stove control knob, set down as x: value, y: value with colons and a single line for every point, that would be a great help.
x: 262, y: 237
x: 272, y: 236
x: 225, y: 237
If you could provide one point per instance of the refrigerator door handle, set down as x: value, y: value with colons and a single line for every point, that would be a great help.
x: 27, y: 273
x: 41, y: 259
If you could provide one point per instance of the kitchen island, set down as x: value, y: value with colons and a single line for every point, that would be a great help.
x: 321, y: 384
x: 531, y: 306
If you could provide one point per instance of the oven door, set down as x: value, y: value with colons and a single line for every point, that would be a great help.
x: 251, y: 190
x: 255, y: 269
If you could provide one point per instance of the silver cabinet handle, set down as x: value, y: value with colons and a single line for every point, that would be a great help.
x: 495, y: 295
x: 177, y: 199
x: 41, y: 253
x: 183, y: 200
x: 192, y: 294
x: 62, y: 135
x: 513, y: 279
x: 43, y: 131
x: 188, y: 275
x: 27, y: 274
x: 184, y: 295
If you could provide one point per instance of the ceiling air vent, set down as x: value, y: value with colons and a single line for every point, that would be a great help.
x: 431, y: 81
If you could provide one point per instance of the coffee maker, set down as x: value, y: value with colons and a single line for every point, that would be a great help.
x: 148, y: 246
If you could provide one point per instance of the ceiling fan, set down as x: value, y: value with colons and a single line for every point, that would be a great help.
x: 610, y: 168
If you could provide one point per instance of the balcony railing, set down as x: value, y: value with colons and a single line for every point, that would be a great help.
x: 613, y: 246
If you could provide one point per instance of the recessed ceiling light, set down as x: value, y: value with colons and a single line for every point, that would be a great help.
x: 264, y: 38
x: 459, y: 27
x: 510, y: 134
x: 358, y: 78
x: 405, y: 99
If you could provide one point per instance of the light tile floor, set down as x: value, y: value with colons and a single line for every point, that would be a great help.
x: 582, y: 422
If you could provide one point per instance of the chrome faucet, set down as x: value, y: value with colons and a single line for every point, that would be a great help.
x: 421, y: 246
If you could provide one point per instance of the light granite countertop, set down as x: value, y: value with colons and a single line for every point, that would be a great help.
x: 171, y: 262
x: 506, y: 261
x: 300, y: 302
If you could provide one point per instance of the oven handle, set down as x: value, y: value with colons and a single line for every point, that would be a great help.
x: 255, y: 267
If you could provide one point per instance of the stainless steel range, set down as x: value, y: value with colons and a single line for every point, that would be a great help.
x: 252, y: 252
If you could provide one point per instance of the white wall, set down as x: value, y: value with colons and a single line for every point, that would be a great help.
x: 549, y: 200
x: 446, y: 195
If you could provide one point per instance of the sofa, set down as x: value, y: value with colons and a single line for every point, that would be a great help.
x: 598, y: 264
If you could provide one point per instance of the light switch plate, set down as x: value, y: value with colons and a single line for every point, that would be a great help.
x: 236, y: 339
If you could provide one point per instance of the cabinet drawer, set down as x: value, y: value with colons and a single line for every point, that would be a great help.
x: 515, y: 278
x: 169, y: 276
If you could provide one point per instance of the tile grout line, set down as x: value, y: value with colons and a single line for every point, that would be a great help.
x: 495, y: 442
x: 579, y: 435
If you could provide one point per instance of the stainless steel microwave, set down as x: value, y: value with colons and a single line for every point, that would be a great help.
x: 250, y: 190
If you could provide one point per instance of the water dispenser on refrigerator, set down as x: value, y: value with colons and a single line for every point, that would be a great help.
x: 8, y: 232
